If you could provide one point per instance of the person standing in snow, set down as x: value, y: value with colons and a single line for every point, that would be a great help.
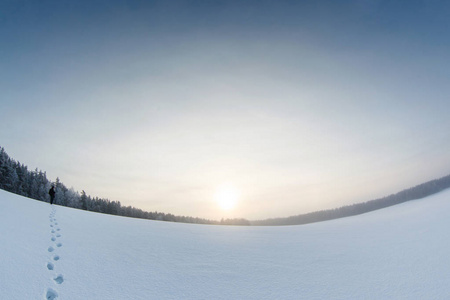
x: 51, y: 192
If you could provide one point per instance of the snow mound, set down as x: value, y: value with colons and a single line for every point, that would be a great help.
x: 53, y: 252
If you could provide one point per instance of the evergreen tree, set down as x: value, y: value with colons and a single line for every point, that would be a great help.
x: 73, y: 198
x: 83, y: 200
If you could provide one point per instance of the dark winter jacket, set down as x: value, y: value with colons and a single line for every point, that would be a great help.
x: 51, y: 192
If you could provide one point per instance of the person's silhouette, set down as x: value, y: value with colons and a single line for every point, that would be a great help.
x: 51, y: 192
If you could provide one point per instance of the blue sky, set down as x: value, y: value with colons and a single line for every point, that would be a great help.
x: 299, y: 105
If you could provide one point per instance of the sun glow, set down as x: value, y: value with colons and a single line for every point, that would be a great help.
x: 226, y: 196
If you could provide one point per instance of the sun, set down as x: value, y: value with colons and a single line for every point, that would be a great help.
x: 226, y: 196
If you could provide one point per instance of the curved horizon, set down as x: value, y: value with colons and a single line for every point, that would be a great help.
x: 23, y: 185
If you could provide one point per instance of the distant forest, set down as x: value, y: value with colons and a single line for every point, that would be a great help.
x: 16, y: 178
x: 414, y: 193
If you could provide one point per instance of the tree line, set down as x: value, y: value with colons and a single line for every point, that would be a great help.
x: 420, y: 191
x: 16, y: 178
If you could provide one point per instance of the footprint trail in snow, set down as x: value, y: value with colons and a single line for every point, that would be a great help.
x: 57, y: 278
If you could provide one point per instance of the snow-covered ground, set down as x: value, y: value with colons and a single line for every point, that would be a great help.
x: 402, y: 252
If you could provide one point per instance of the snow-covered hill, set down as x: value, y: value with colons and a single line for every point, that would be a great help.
x: 402, y: 252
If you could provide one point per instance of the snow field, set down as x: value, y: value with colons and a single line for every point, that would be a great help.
x: 396, y: 253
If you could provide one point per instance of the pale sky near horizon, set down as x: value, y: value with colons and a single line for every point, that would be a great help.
x: 298, y: 105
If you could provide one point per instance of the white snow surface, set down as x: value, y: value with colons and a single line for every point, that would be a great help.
x: 401, y: 252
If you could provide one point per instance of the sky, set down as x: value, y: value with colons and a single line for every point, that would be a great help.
x: 280, y: 107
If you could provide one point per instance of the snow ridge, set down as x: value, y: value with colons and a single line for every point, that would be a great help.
x: 58, y: 279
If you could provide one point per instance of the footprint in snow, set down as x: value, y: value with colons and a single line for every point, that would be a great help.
x: 58, y: 235
x: 51, y: 294
x: 59, y: 279
x: 59, y: 245
x: 50, y: 249
x: 50, y: 266
x: 53, y: 238
x: 56, y: 258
